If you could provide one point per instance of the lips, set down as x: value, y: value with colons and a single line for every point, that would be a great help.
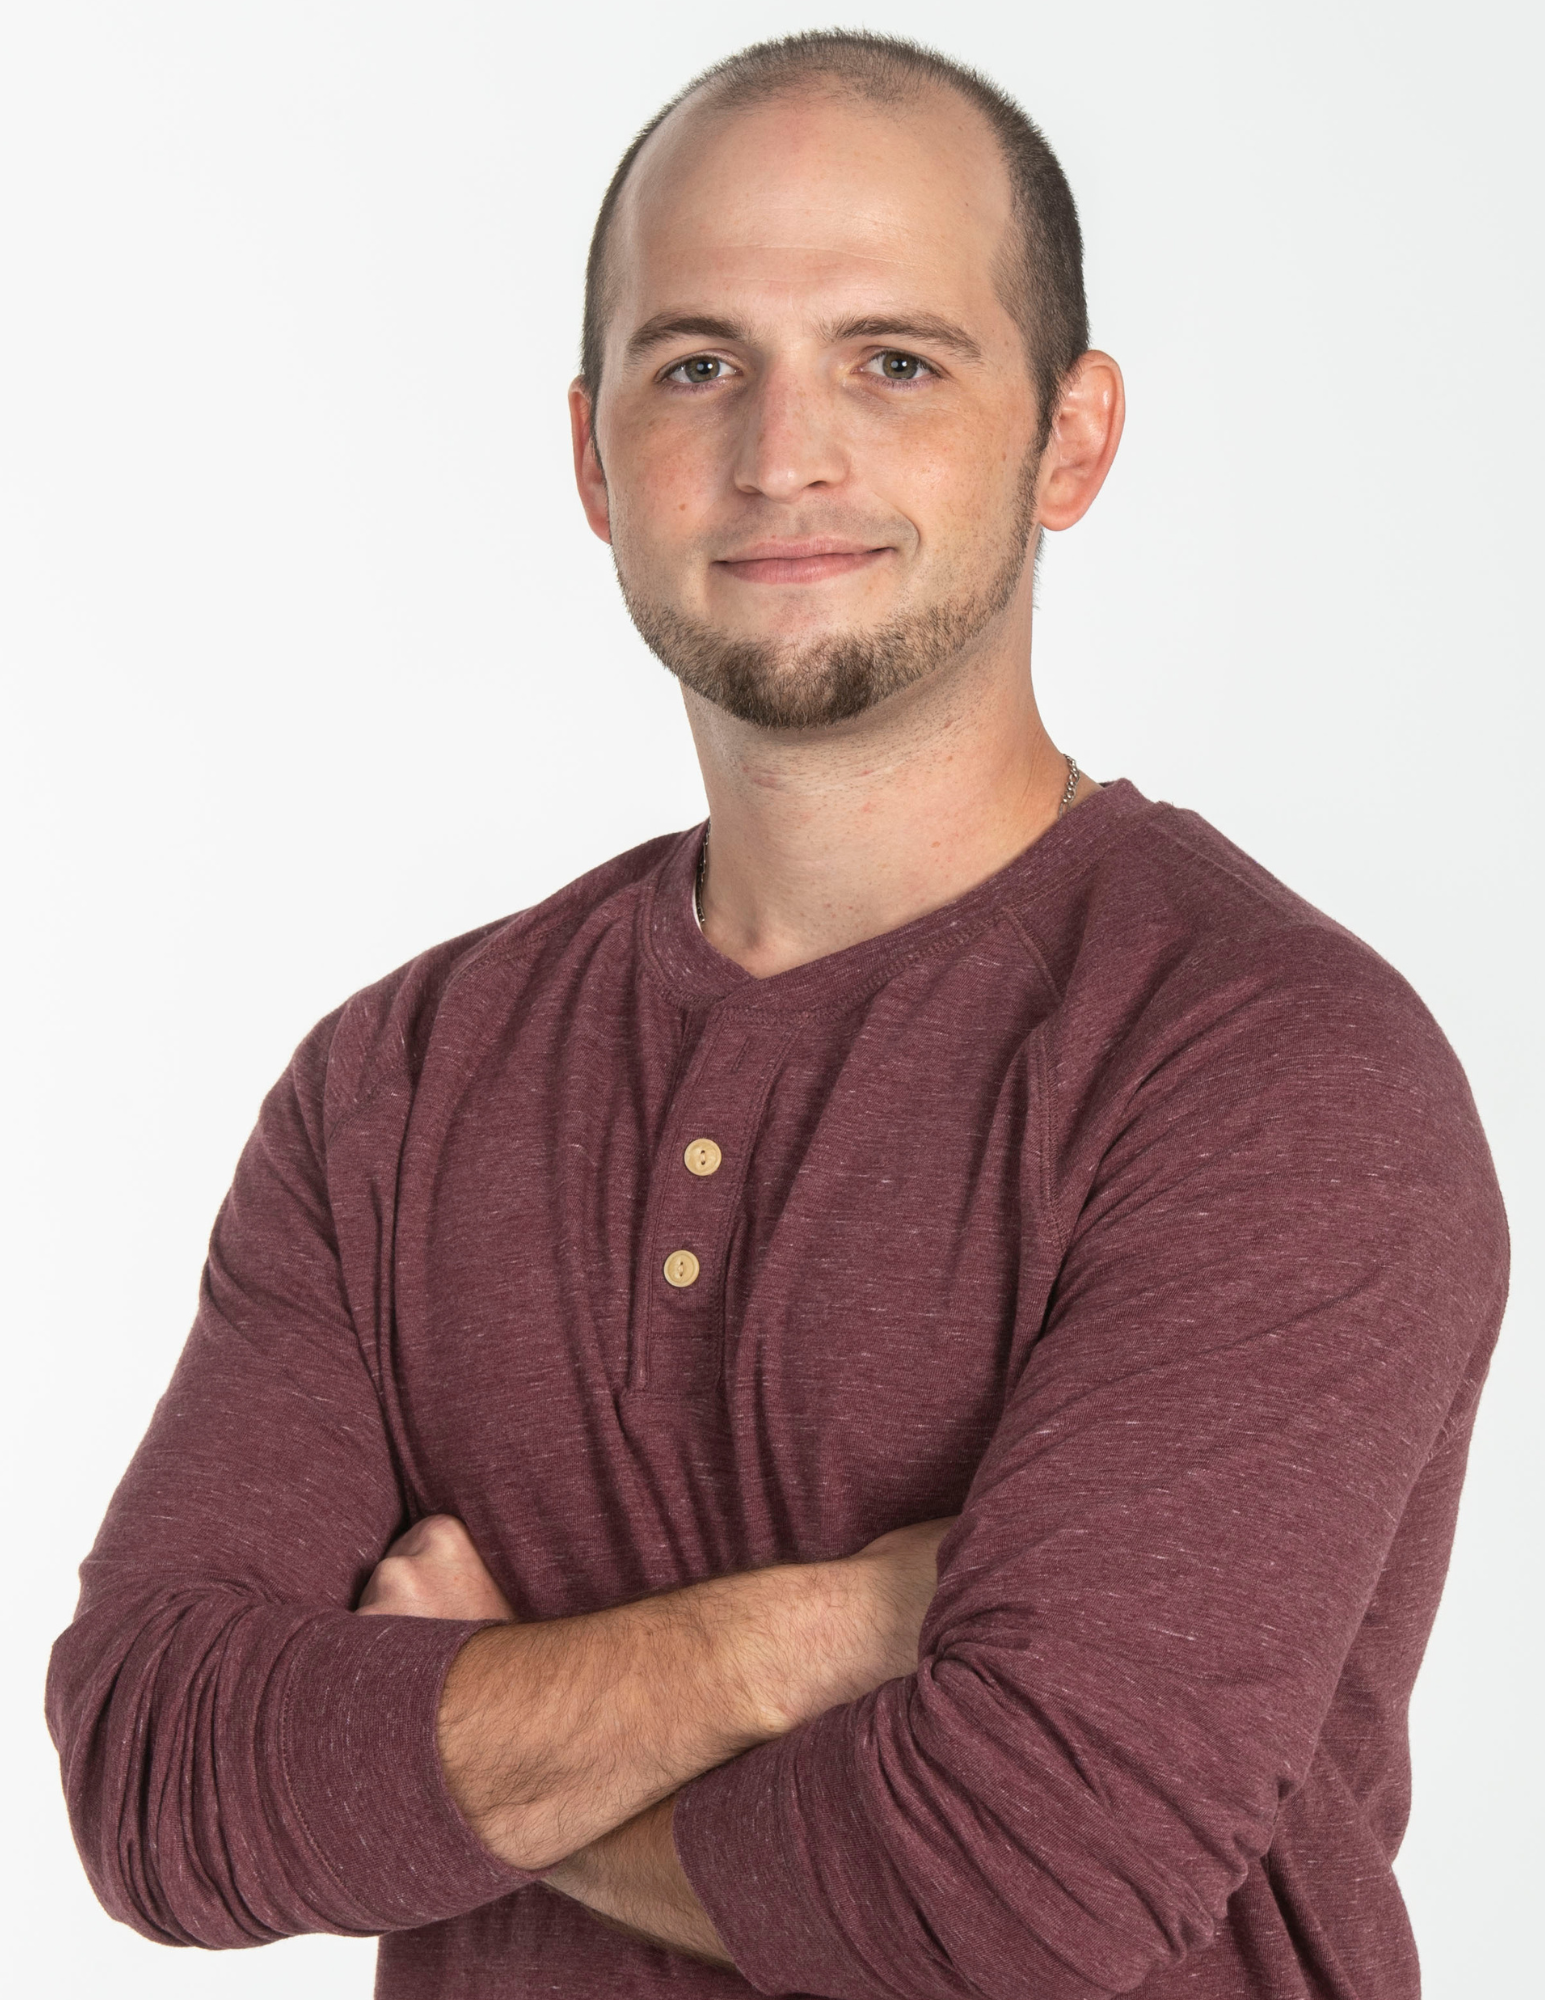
x: 812, y: 561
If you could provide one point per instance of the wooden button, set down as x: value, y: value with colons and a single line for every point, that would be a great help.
x: 703, y: 1158
x: 681, y: 1269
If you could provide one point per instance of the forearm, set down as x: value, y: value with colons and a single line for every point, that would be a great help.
x: 631, y: 1877
x: 553, y: 1734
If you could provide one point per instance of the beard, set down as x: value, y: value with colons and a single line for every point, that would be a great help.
x: 809, y: 684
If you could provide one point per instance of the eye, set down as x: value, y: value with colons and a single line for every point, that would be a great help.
x: 699, y: 368
x: 895, y: 366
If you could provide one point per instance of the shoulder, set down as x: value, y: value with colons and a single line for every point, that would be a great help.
x: 1245, y: 1094
x: 1200, y: 997
x: 1172, y: 927
x: 377, y: 1040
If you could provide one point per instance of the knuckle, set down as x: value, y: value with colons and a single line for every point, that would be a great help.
x: 443, y: 1534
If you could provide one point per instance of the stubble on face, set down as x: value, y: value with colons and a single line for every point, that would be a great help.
x: 813, y: 683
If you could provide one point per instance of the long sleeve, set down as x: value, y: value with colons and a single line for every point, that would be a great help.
x: 1284, y: 1267
x: 244, y: 1758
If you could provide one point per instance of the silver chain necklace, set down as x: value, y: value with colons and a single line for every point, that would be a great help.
x: 1068, y: 796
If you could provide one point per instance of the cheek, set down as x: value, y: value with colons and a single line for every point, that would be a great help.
x: 663, y: 480
x: 951, y: 478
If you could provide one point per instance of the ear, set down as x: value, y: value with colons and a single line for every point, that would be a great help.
x: 588, y: 476
x: 1084, y: 435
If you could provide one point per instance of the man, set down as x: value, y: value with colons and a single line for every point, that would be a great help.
x: 923, y: 1335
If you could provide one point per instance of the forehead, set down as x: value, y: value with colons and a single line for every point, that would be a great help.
x: 813, y: 191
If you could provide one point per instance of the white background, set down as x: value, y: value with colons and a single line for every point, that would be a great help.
x: 310, y: 660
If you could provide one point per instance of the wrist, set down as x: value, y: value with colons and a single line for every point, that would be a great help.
x: 631, y: 1878
x: 790, y: 1642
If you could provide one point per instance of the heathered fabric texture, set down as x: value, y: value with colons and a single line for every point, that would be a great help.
x: 1126, y: 1205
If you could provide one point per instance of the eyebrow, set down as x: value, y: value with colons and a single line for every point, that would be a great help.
x: 677, y: 326
x: 925, y: 327
x: 876, y: 326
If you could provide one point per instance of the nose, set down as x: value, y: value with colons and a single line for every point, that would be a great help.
x: 791, y: 440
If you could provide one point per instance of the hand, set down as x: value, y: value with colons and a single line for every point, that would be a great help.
x: 433, y: 1571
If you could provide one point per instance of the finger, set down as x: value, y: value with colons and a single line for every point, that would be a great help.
x: 423, y: 1585
x: 430, y: 1535
x: 389, y: 1589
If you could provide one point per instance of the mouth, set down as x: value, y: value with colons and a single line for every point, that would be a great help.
x: 810, y: 561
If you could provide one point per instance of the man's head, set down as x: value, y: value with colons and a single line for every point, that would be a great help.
x: 834, y: 305
x: 1040, y: 267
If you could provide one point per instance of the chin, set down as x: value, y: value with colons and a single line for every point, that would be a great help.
x: 824, y: 665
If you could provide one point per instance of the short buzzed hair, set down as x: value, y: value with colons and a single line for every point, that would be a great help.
x: 1041, y: 280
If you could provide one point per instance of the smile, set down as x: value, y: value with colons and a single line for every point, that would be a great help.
x: 798, y: 562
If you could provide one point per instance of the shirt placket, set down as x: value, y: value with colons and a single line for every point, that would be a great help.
x: 696, y: 1187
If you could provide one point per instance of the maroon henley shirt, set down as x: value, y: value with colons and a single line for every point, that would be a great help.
x: 1127, y: 1206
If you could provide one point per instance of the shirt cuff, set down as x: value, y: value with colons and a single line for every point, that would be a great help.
x: 357, y: 1705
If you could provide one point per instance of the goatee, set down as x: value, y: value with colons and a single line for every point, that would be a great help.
x: 840, y: 674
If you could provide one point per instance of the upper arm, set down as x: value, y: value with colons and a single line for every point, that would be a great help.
x: 267, y: 1463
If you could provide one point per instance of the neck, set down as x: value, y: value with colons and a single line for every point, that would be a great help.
x: 825, y: 837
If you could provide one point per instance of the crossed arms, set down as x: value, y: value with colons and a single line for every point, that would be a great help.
x: 1256, y: 1358
x: 563, y: 1743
